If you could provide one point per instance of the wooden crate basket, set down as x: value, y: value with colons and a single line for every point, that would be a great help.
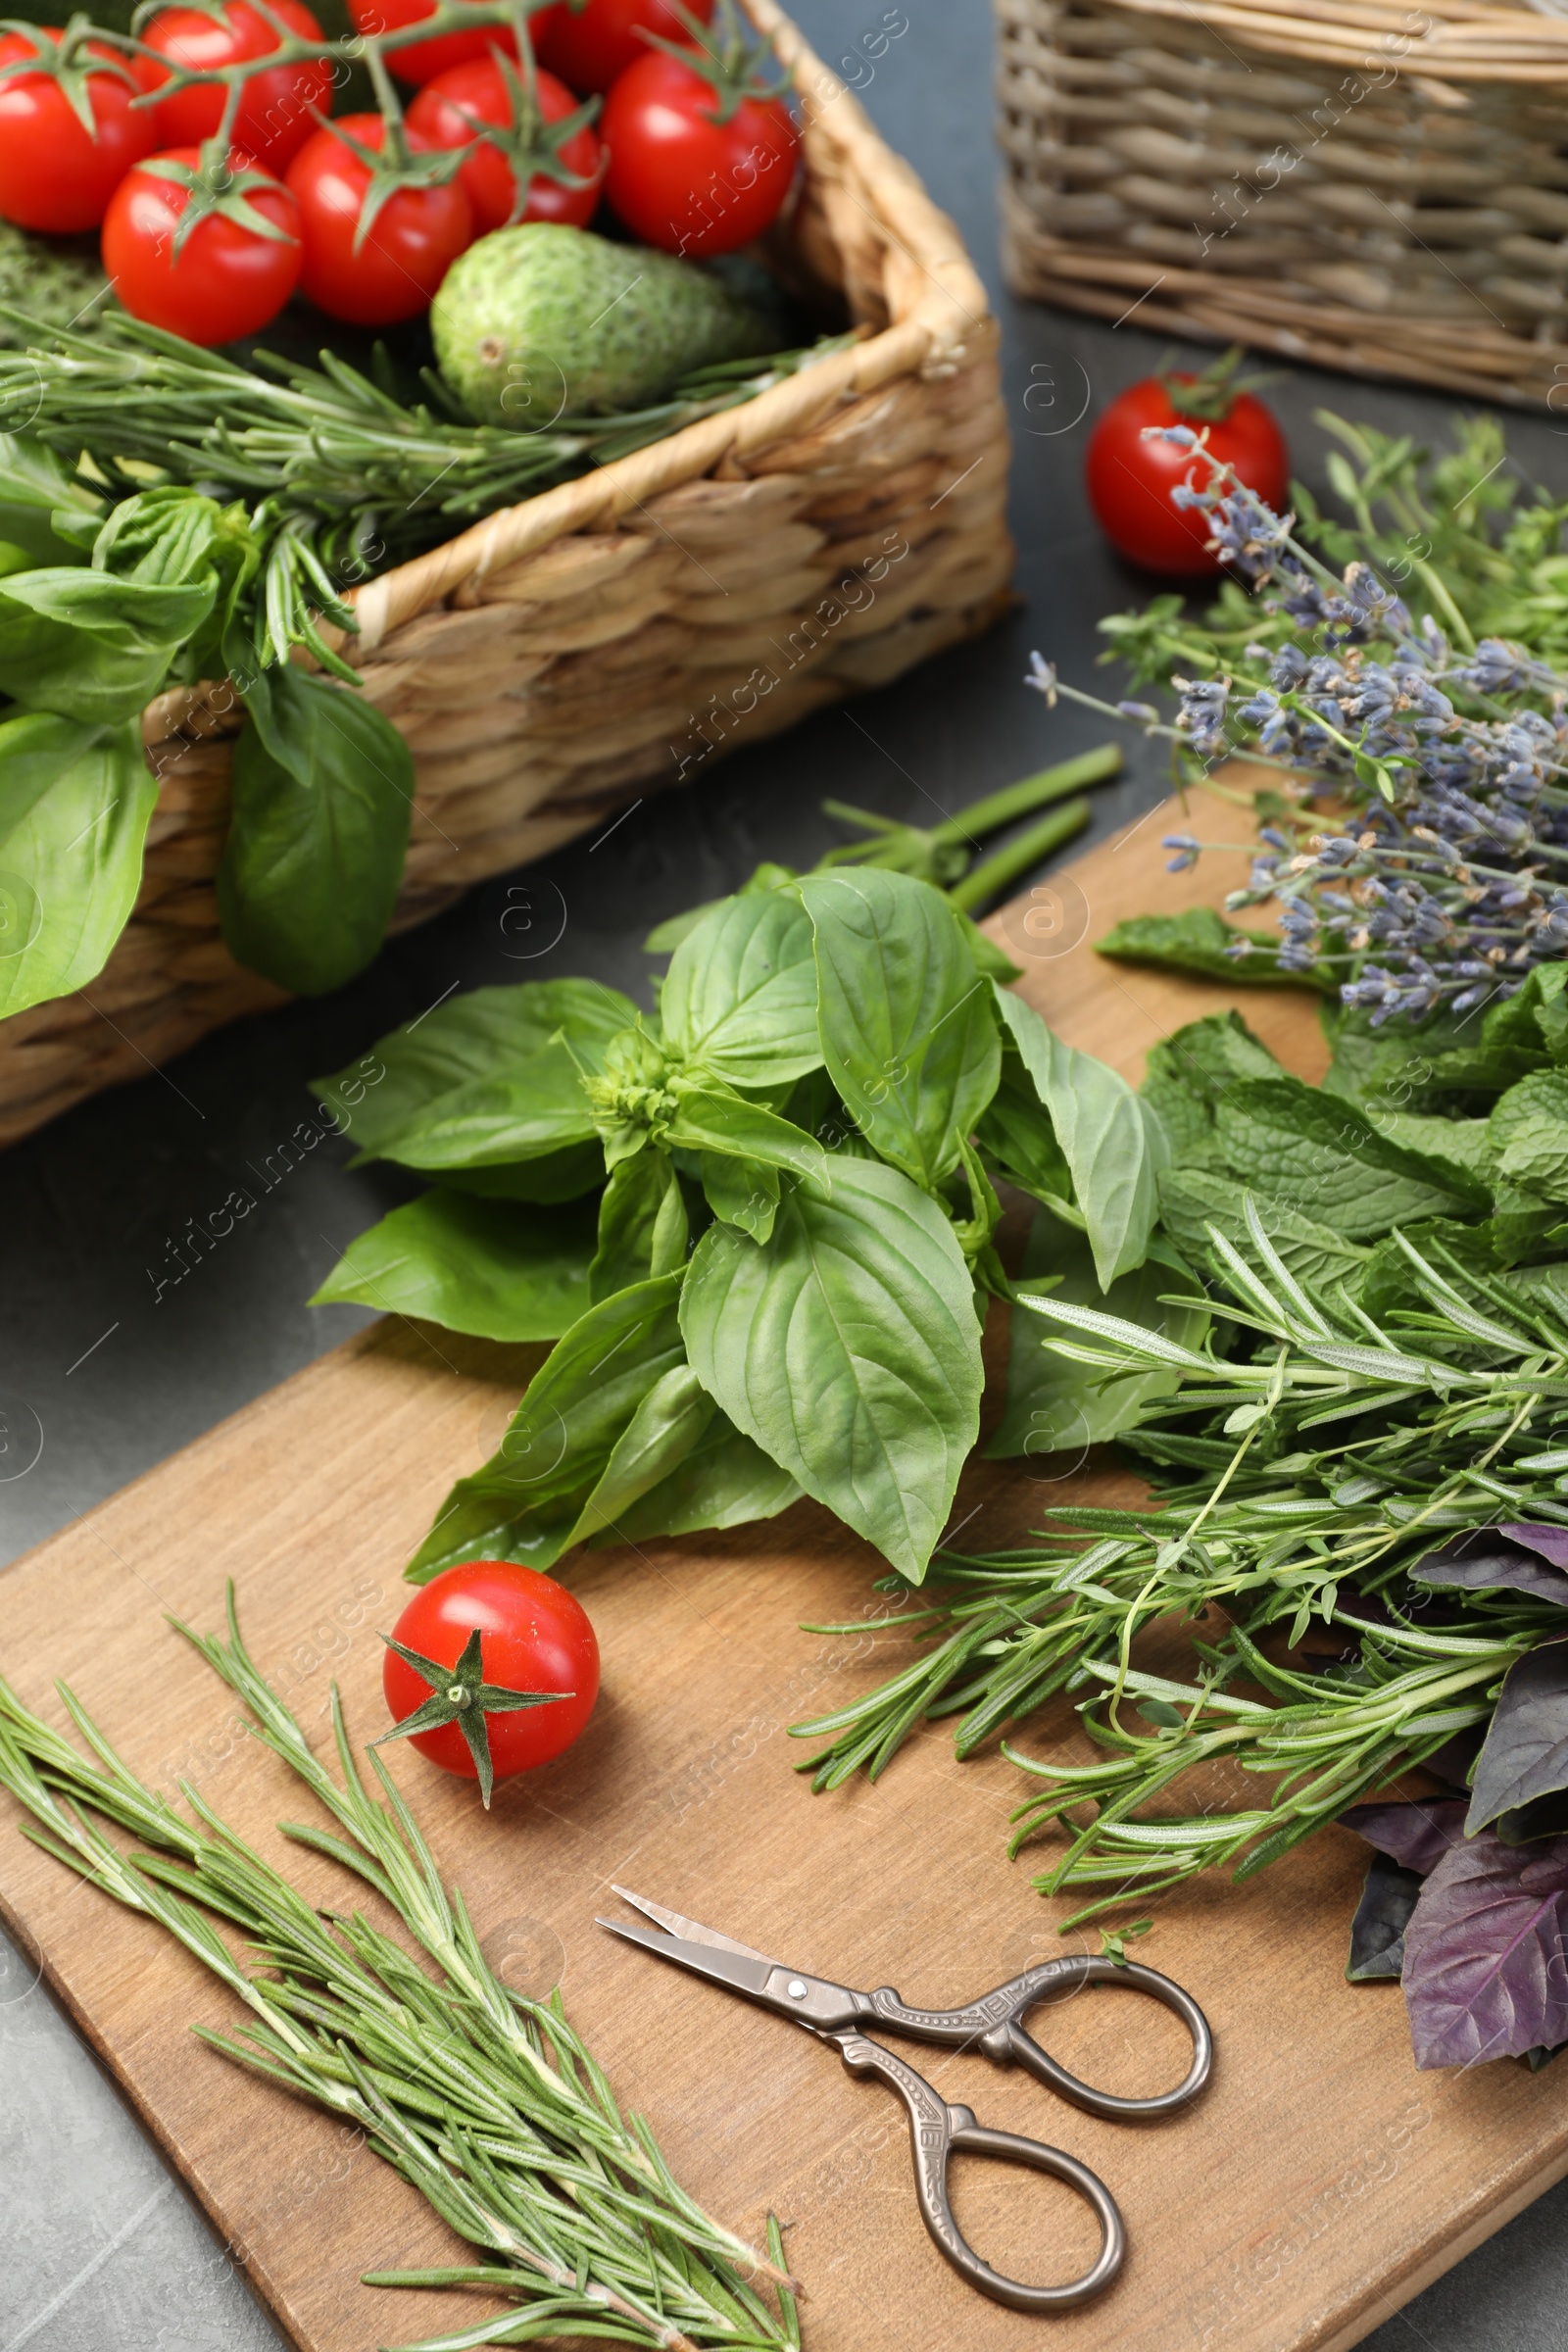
x: 1375, y: 188
x: 618, y: 634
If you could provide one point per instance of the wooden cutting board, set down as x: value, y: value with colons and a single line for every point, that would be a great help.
x: 1319, y: 2185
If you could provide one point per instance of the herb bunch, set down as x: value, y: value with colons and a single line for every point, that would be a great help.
x: 1345, y: 1368
x: 487, y: 2102
x: 757, y: 1224
x: 1388, y: 692
x: 340, y: 476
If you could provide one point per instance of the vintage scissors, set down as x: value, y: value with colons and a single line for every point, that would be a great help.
x: 992, y: 2024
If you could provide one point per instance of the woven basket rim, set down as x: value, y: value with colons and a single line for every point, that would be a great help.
x: 1459, y: 40
x: 938, y: 305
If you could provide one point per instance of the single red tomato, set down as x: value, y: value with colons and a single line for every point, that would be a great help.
x: 533, y: 1638
x: 451, y: 110
x: 227, y: 277
x: 421, y: 60
x: 395, y: 269
x: 275, y: 116
x: 682, y: 179
x: 1131, y: 479
x: 590, y: 43
x: 55, y: 175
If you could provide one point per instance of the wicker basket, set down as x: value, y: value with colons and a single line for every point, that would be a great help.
x: 619, y: 633
x: 1368, y: 186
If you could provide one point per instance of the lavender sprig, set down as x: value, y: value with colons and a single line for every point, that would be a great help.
x: 1445, y: 886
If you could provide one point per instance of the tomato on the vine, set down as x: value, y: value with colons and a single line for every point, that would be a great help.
x: 421, y: 60
x: 701, y: 146
x: 229, y: 274
x: 589, y: 43
x: 1130, y: 479
x: 413, y: 229
x: 55, y: 174
x: 275, y: 116
x: 561, y: 167
x: 492, y: 1669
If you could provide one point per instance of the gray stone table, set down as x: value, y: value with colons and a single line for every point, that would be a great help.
x: 100, y: 2246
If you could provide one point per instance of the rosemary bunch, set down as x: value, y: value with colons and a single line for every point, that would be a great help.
x: 486, y: 2101
x: 1302, y: 1479
x: 341, y: 478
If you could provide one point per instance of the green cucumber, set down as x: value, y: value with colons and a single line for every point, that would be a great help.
x: 542, y: 322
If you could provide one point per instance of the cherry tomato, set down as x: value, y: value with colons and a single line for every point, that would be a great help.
x: 680, y: 179
x: 54, y: 175
x: 1130, y: 480
x: 274, y: 118
x: 592, y: 44
x: 410, y: 246
x: 533, y: 1635
x: 225, y: 279
x: 448, y: 112
x: 422, y: 61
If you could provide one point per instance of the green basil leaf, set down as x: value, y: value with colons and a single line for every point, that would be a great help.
x: 909, y: 1035
x: 1015, y: 1136
x: 319, y: 827
x: 490, y: 1267
x: 75, y: 806
x: 538, y: 1108
x: 848, y: 1348
x: 1112, y: 1141
x: 707, y: 1120
x: 741, y: 1191
x: 662, y: 1431
x: 1528, y: 1132
x: 525, y: 1500
x: 555, y: 1176
x: 739, y: 995
x: 642, y: 1224
x: 43, y: 507
x: 990, y: 961
x: 91, y: 647
x: 1056, y: 1407
x: 724, y: 1481
x: 396, y: 1087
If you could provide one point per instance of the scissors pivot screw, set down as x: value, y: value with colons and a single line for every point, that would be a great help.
x: 795, y: 1989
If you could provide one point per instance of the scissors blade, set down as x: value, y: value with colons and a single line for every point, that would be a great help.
x: 691, y: 1931
x: 742, y: 1972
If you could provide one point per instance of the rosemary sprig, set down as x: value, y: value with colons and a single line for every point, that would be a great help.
x: 1303, y: 1477
x: 341, y: 478
x: 486, y: 2101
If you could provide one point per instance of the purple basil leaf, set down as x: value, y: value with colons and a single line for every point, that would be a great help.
x: 1545, y: 1816
x: 1485, y: 1561
x: 1414, y: 1834
x: 1525, y: 1752
x: 1551, y: 1541
x: 1377, y: 1931
x: 1486, y: 1953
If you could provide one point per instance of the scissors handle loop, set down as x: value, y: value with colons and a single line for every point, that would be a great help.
x: 1025, y: 2051
x: 995, y: 2025
x: 937, y: 2132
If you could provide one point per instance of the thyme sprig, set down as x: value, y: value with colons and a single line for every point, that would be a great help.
x: 486, y: 2101
x: 1304, y: 1475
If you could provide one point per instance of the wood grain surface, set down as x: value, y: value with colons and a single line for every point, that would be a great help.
x: 1320, y: 2182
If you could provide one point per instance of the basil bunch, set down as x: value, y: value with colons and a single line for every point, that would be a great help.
x: 760, y: 1226
x: 100, y: 610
